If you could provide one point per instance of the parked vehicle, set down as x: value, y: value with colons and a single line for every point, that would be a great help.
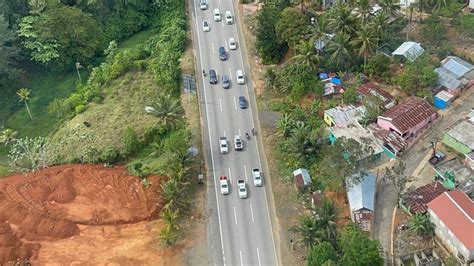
x: 224, y: 185
x: 242, y: 188
x: 257, y: 177
x: 437, y: 157
x: 223, y: 145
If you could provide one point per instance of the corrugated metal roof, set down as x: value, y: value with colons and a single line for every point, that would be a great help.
x: 362, y: 195
x: 416, y: 200
x: 410, y: 50
x: 342, y: 115
x: 447, y: 79
x: 457, y: 66
x: 444, y: 96
x: 463, y: 133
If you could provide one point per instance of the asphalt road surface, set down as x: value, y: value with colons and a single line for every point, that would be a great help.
x: 240, y: 230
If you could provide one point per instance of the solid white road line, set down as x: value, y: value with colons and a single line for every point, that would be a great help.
x: 235, y: 104
x: 258, y: 256
x: 241, y: 259
x: 258, y: 153
x: 220, y: 103
x: 230, y: 176
x: 235, y: 215
x: 251, y: 213
x: 210, y: 141
x: 245, y: 171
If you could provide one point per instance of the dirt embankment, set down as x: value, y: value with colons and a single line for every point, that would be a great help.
x: 63, y: 201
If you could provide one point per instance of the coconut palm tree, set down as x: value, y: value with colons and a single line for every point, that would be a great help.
x: 24, y: 95
x: 389, y: 7
x: 169, y: 111
x: 306, y: 55
x: 379, y: 24
x: 420, y: 224
x: 173, y: 192
x: 327, y: 216
x: 366, y: 40
x: 340, y: 50
x: 341, y: 20
x: 308, y: 231
x: 170, y: 217
x: 363, y: 7
x: 7, y: 136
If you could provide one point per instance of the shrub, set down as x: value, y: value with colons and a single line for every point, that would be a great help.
x: 379, y: 66
x: 269, y: 47
x: 80, y: 108
x: 130, y: 141
x: 109, y: 155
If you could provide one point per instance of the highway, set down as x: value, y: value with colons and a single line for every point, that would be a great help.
x: 240, y: 230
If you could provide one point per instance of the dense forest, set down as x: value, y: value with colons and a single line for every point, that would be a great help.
x: 61, y: 36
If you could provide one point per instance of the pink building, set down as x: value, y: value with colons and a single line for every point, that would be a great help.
x: 409, y: 118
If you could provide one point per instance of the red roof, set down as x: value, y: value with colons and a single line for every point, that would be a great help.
x: 456, y: 210
x: 373, y: 89
x: 416, y: 200
x: 409, y: 113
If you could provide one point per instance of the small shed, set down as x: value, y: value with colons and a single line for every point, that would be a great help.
x: 302, y: 178
x: 316, y: 198
x: 443, y: 99
x: 409, y: 50
x: 361, y: 198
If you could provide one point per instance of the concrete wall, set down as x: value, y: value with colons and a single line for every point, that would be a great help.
x: 449, y: 239
x: 456, y: 145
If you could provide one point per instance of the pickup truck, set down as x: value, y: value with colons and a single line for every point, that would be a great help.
x: 224, y: 185
x: 242, y: 188
x: 257, y: 177
x: 238, y: 143
x: 223, y: 145
x: 437, y: 157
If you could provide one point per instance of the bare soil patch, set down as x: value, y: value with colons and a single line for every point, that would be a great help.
x: 66, y: 213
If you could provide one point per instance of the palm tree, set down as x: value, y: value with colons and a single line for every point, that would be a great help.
x: 366, y: 40
x: 168, y: 234
x: 339, y: 47
x: 7, y: 136
x: 327, y: 216
x: 364, y: 9
x: 318, y: 29
x: 284, y: 125
x: 308, y: 230
x: 379, y: 24
x: 173, y: 192
x: 157, y: 148
x: 169, y: 111
x: 420, y: 224
x: 389, y: 7
x: 306, y: 54
x: 24, y: 95
x: 438, y: 4
x: 341, y: 20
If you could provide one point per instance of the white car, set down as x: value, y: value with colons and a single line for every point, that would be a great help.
x: 217, y: 15
x: 205, y: 26
x: 203, y: 4
x: 238, y: 143
x: 240, y: 77
x: 223, y: 145
x: 224, y: 185
x: 228, y: 18
x: 242, y: 188
x: 257, y: 177
x: 232, y: 44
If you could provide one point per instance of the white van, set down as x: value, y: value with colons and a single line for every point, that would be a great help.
x: 203, y: 4
x: 217, y: 15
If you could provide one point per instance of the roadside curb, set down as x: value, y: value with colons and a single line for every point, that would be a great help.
x: 392, y: 233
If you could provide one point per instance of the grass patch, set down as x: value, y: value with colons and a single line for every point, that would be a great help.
x: 136, y: 39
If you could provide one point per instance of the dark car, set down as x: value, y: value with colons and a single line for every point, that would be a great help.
x: 222, y: 53
x: 242, y: 102
x: 225, y: 82
x: 437, y: 157
x: 212, y: 76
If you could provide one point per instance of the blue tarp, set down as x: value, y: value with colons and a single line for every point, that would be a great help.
x: 336, y: 81
x: 323, y: 75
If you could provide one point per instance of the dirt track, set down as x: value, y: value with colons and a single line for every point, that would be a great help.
x: 65, y: 204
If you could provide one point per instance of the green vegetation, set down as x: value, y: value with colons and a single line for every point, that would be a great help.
x: 270, y: 48
x: 421, y: 225
x: 417, y: 77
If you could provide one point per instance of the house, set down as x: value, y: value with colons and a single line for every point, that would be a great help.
x: 302, y: 178
x: 372, y: 89
x: 443, y: 99
x: 409, y: 50
x: 460, y: 137
x: 425, y: 257
x: 356, y: 132
x: 392, y: 144
x: 452, y: 213
x: 455, y: 75
x: 453, y: 172
x: 361, y: 198
x: 342, y: 115
x: 409, y: 118
x: 416, y: 200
